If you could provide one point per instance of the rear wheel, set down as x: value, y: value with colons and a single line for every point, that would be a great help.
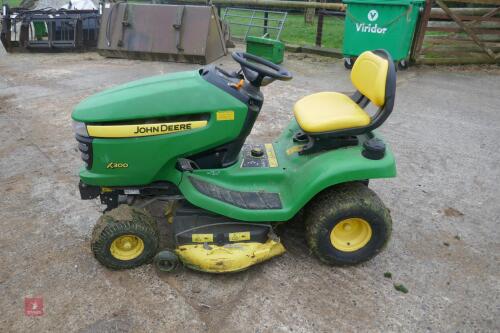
x: 125, y: 238
x: 347, y: 224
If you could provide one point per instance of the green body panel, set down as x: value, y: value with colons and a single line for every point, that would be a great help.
x: 153, y: 158
x: 177, y: 94
x: 297, y: 179
x: 389, y: 24
x: 270, y: 49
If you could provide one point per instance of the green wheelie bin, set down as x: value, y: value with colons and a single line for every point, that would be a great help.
x: 380, y: 24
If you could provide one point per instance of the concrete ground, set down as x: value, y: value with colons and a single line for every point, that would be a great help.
x: 445, y: 206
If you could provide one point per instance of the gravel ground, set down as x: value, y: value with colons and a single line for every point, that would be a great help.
x: 445, y: 246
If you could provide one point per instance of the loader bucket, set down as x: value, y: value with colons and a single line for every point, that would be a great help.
x: 180, y: 33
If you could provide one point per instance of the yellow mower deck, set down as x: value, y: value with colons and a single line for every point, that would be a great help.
x: 228, y: 258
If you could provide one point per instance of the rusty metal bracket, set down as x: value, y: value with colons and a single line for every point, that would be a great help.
x: 125, y: 24
x: 178, y: 27
x: 109, y: 25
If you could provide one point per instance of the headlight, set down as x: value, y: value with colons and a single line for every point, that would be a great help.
x: 80, y: 129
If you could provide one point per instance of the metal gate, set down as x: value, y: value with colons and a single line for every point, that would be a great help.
x: 254, y: 22
x: 458, y: 35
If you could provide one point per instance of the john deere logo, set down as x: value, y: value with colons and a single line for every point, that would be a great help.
x: 372, y: 15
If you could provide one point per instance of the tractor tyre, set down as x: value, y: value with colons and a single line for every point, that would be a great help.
x: 124, y: 238
x: 347, y: 224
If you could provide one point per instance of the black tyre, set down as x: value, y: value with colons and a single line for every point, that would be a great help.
x: 124, y: 238
x: 347, y: 224
x: 166, y: 261
x: 402, y: 65
x: 349, y: 62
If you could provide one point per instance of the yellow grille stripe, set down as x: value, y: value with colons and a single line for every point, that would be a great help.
x: 128, y: 131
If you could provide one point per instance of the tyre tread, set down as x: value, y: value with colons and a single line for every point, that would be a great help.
x: 338, y: 199
x: 108, y: 227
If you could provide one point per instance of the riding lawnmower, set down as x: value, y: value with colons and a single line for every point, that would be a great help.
x: 179, y: 140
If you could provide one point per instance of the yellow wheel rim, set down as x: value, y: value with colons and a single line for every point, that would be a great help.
x: 127, y: 247
x: 351, y: 234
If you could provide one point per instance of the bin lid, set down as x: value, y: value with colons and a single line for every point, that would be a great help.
x: 262, y: 40
x: 384, y: 2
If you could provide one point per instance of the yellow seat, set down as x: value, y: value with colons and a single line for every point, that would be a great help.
x: 329, y: 111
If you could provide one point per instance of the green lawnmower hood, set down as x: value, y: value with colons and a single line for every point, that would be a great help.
x: 160, y: 96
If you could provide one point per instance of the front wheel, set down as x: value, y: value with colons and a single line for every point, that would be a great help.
x: 124, y: 238
x: 347, y: 224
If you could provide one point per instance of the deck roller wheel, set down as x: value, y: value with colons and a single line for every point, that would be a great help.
x: 166, y: 261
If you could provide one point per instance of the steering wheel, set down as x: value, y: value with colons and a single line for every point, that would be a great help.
x: 261, y: 75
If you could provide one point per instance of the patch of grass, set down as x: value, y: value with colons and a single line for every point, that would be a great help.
x: 295, y: 30
x: 13, y: 3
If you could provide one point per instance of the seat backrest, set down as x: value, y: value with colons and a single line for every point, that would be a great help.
x: 369, y: 75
